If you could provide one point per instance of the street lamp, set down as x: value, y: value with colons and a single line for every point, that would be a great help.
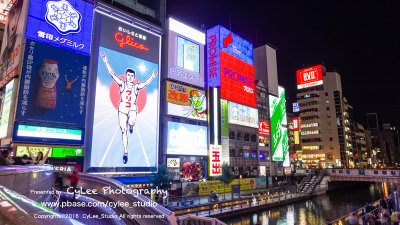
x: 240, y: 177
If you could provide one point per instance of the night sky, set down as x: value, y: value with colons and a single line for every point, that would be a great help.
x: 358, y: 39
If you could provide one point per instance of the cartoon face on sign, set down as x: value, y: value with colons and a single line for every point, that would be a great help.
x: 63, y: 17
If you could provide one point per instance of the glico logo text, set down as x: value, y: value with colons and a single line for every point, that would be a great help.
x: 128, y: 40
x: 245, y: 80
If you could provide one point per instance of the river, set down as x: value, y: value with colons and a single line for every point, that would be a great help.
x: 318, y: 209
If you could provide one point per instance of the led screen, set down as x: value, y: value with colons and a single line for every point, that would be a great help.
x: 53, y: 87
x: 66, y: 24
x: 230, y: 65
x: 186, y: 139
x: 126, y: 101
x: 243, y: 115
x: 309, y: 77
x: 279, y: 134
x: 33, y: 133
x: 64, y: 152
x: 186, y: 101
x: 185, y: 53
x: 6, y: 107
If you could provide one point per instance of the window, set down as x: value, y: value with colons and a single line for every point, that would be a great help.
x: 330, y: 131
x: 331, y: 146
x: 188, y: 55
x: 246, y: 136
x: 253, y: 138
x: 231, y: 135
x: 331, y: 139
x: 262, y: 155
x: 327, y: 101
x: 329, y: 115
x: 329, y: 123
x: 326, y: 93
x: 247, y: 154
x: 327, y: 108
x: 232, y: 153
x: 239, y: 136
x: 254, y: 154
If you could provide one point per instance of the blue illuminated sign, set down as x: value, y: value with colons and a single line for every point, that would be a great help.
x: 296, y: 107
x: 65, y: 23
x: 221, y: 39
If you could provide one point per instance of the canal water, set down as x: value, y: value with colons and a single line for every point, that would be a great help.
x: 318, y: 209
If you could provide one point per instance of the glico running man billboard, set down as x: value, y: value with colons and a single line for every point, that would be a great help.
x: 279, y: 134
x: 185, y: 53
x: 230, y: 65
x: 126, y: 104
x: 66, y: 24
x: 186, y: 101
x: 309, y: 77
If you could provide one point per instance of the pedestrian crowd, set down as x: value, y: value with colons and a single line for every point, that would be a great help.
x: 384, y: 214
x: 6, y: 158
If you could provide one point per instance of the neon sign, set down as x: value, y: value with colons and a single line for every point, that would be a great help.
x: 129, y: 41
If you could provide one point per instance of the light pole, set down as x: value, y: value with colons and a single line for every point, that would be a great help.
x: 240, y: 177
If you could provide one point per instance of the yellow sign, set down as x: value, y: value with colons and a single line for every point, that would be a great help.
x: 216, y: 185
x: 296, y: 138
x: 23, y: 150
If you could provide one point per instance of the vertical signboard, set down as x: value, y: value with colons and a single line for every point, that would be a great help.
x: 296, y: 137
x: 296, y: 124
x: 185, y: 53
x: 264, y: 128
x: 53, y: 87
x: 309, y: 77
x: 6, y: 108
x: 126, y: 98
x: 186, y: 101
x: 215, y: 160
x: 230, y: 65
x: 279, y: 134
x: 5, y: 5
x: 66, y: 24
x: 225, y: 131
x: 12, y: 41
x: 296, y: 107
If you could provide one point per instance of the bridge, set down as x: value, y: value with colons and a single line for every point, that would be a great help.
x: 364, y: 175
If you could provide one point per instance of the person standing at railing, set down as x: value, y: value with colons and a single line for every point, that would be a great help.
x: 39, y: 159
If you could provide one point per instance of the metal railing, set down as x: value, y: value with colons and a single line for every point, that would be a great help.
x: 344, y: 220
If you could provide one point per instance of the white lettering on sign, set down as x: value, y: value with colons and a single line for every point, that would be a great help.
x: 309, y: 75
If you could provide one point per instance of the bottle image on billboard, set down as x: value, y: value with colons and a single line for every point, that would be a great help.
x: 47, y: 93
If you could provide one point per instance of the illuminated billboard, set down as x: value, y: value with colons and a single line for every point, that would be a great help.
x: 230, y: 65
x: 279, y: 133
x: 64, y: 152
x: 186, y: 139
x: 296, y: 107
x: 185, y: 53
x: 243, y: 115
x: 186, y: 101
x: 4, y: 6
x: 264, y: 128
x: 23, y: 150
x: 40, y: 134
x: 296, y: 137
x: 6, y: 109
x: 66, y: 24
x: 296, y: 123
x: 309, y: 77
x: 12, y: 42
x: 215, y: 160
x: 124, y: 133
x: 53, y: 87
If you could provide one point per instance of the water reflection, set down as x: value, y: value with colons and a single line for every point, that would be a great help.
x: 317, y: 210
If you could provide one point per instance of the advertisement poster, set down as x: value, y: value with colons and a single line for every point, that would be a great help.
x: 186, y: 101
x: 224, y: 118
x: 126, y: 104
x: 23, y: 150
x: 230, y: 65
x: 66, y: 24
x: 243, y: 115
x: 185, y: 53
x: 279, y: 133
x: 309, y: 77
x: 264, y: 128
x: 6, y: 107
x: 11, y: 46
x: 192, y: 168
x: 215, y: 158
x: 53, y: 87
x: 216, y: 185
x: 186, y: 139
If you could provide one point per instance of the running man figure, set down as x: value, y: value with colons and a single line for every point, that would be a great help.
x: 127, y: 109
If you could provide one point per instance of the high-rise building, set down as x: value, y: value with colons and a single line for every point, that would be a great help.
x: 324, y: 113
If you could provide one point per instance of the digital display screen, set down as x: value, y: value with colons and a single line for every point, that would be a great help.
x: 185, y: 53
x: 5, y: 113
x: 126, y: 98
x: 243, y: 115
x: 279, y: 134
x: 186, y: 139
x: 23, y: 150
x: 64, y: 152
x: 309, y: 77
x: 186, y: 101
x: 34, y: 133
x: 230, y: 65
x: 66, y: 24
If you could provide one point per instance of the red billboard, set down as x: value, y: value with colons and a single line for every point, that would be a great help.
x: 296, y: 123
x: 309, y: 77
x: 264, y: 128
